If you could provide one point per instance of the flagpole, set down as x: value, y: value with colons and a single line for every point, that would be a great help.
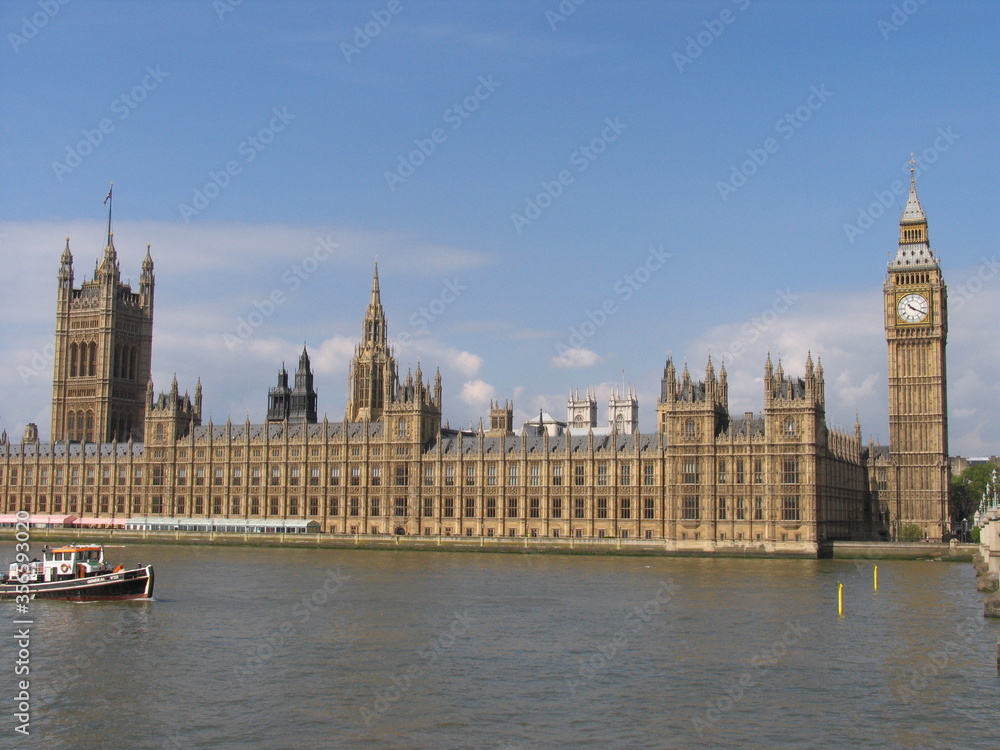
x: 109, y: 203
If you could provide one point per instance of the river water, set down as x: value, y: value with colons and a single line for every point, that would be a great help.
x: 286, y: 648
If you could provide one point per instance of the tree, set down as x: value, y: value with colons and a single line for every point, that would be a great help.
x: 910, y: 532
x: 966, y: 491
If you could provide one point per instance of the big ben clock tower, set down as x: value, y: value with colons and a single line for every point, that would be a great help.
x: 916, y: 328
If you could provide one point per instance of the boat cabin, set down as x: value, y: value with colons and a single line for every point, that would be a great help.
x: 67, y: 562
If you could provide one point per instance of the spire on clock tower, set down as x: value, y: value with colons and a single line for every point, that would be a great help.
x: 914, y: 245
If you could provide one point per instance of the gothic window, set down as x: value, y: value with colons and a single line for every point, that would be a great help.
x: 690, y: 510
x: 71, y: 426
x: 578, y: 508
x: 402, y: 475
x: 491, y: 507
x: 602, y: 474
x: 512, y: 475
x: 740, y: 509
x: 648, y: 475
x: 491, y: 475
x: 648, y: 508
x: 535, y: 475
x: 758, y: 509
x: 790, y: 509
x: 399, y: 508
x: 758, y: 471
x: 790, y: 427
x: 401, y: 427
x: 470, y: 475
x: 449, y: 507
x: 449, y: 475
x: 723, y: 474
x: 739, y: 471
x: 376, y: 476
x: 534, y: 508
x: 557, y: 507
x: 428, y: 476
x: 690, y: 430
x: 626, y: 475
x: 578, y: 421
x: 690, y: 471
x: 722, y: 509
x: 89, y: 437
x: 470, y: 507
x: 790, y: 472
x: 602, y: 507
x: 619, y: 423
x: 92, y: 365
x: 512, y: 507
x: 626, y: 508
x: 73, y: 360
x: 557, y: 472
x: 578, y: 475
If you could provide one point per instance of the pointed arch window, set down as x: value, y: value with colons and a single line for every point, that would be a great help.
x: 73, y: 361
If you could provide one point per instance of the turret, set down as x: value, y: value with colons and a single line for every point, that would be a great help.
x: 146, y: 279
x: 66, y: 271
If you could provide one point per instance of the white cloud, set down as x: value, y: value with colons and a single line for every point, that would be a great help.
x: 477, y: 393
x: 572, y: 358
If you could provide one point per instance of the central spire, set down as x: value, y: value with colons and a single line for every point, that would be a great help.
x: 374, y: 333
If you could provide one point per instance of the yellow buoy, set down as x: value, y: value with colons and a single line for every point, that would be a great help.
x: 840, y: 598
x: 875, y: 575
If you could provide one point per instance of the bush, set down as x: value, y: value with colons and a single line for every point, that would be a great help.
x: 910, y: 532
x: 974, y: 534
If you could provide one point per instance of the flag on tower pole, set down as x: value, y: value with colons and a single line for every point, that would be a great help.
x: 108, y: 197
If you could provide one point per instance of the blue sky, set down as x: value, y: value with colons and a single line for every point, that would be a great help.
x: 557, y: 199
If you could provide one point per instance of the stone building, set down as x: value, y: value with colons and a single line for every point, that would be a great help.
x: 778, y: 478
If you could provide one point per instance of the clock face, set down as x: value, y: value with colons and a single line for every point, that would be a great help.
x: 912, y: 308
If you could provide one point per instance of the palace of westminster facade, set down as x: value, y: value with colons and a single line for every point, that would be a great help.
x: 120, y: 453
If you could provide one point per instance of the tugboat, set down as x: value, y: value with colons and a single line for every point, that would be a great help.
x: 77, y: 572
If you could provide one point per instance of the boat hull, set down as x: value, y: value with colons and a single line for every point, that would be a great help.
x: 136, y: 583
